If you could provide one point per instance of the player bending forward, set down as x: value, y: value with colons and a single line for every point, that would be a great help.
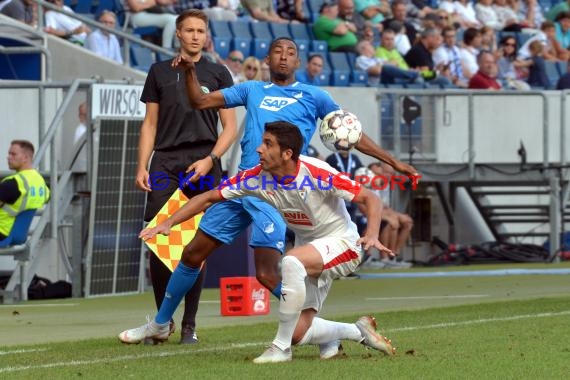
x: 309, y: 195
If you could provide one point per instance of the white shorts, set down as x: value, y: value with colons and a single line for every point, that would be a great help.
x: 341, y: 257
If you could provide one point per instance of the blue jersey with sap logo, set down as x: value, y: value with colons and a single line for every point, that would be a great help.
x: 298, y: 103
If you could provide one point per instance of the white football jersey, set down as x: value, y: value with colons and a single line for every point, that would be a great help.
x: 311, y: 203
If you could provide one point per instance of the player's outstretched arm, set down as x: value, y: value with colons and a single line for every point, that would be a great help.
x: 197, y: 98
x: 370, y: 148
x: 194, y: 206
x: 373, y: 211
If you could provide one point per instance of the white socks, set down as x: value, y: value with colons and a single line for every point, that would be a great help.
x: 324, y: 331
x: 293, y: 293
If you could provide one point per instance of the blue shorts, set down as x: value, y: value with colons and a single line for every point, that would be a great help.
x: 225, y: 220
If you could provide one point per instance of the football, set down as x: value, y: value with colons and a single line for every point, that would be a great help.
x: 340, y: 130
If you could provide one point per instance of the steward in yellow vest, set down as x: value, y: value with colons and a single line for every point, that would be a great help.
x: 24, y: 190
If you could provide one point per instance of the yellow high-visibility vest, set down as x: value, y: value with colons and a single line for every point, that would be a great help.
x: 34, y: 193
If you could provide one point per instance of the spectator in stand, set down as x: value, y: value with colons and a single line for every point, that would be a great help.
x: 351, y: 18
x: 547, y: 36
x: 396, y: 227
x: 448, y: 54
x: 377, y: 70
x: 347, y: 163
x: 563, y: 29
x: 537, y: 71
x: 373, y: 11
x: 401, y: 40
x: 488, y: 39
x: 215, y: 10
x: 485, y: 78
x: 487, y: 15
x: 399, y: 13
x: 471, y: 45
x: 531, y: 12
x: 563, y: 6
x: 510, y: 69
x: 333, y: 30
x: 564, y: 81
x: 234, y: 63
x: 263, y: 10
x: 265, y: 76
x: 313, y: 70
x: 291, y: 10
x: 388, y: 52
x: 466, y: 14
x: 251, y: 69
x: 65, y: 26
x: 157, y: 13
x: 420, y: 58
x: 104, y: 43
x: 508, y: 16
x: 21, y: 10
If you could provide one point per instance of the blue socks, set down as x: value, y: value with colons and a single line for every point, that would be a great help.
x: 181, y: 281
x: 277, y: 291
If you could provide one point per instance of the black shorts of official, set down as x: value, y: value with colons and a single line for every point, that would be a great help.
x: 168, y: 169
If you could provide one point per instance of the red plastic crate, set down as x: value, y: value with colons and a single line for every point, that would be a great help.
x: 243, y: 296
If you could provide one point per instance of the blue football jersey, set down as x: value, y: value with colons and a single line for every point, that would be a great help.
x: 298, y: 103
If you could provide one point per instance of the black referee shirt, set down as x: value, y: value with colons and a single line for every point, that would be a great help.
x: 178, y: 123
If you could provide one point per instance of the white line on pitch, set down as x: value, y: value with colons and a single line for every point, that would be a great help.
x: 480, y: 321
x: 426, y: 297
x: 160, y: 354
x: 233, y: 346
x: 18, y: 306
x: 22, y: 351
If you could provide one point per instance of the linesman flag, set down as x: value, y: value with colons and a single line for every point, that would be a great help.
x: 169, y: 248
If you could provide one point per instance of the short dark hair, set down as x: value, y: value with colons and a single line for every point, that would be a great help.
x: 25, y: 145
x: 195, y: 13
x: 274, y: 42
x: 288, y: 136
x: 315, y: 55
x: 470, y: 35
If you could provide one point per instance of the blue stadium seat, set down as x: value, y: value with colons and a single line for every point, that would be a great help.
x: 19, y: 66
x: 222, y: 46
x: 339, y: 61
x: 340, y: 78
x: 19, y: 233
x: 325, y: 77
x: 522, y: 38
x: 301, y: 36
x: 261, y: 39
x: 279, y: 30
x: 141, y: 57
x: 552, y: 72
x: 315, y: 5
x: 359, y: 78
x: 220, y: 29
x: 562, y: 67
x: 319, y: 46
x: 83, y: 6
x: 242, y: 37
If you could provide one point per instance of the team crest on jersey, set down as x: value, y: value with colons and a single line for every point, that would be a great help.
x: 205, y: 89
x: 275, y: 103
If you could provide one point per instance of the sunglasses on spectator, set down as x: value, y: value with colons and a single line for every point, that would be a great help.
x: 251, y: 68
x: 236, y: 59
x: 509, y: 44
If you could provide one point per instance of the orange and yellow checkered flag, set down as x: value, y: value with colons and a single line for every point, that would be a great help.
x: 169, y: 248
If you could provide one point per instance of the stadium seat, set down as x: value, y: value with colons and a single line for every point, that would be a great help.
x: 222, y: 45
x: 261, y: 39
x: 522, y: 38
x: 315, y: 5
x: 301, y: 36
x: 319, y: 46
x: 141, y: 57
x: 19, y: 233
x: 220, y: 29
x: 19, y: 66
x: 339, y: 61
x: 83, y: 7
x: 325, y: 77
x: 280, y: 30
x: 562, y: 67
x: 242, y: 37
x: 552, y: 72
x: 340, y: 78
x: 359, y: 78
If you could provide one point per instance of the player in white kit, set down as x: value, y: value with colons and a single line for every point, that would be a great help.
x: 310, y: 196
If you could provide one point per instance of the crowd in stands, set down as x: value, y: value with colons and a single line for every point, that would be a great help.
x: 395, y: 42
